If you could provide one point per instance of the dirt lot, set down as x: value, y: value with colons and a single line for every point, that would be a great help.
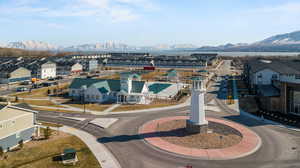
x: 175, y: 133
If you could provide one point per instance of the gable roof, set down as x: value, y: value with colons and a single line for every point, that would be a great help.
x: 137, y: 86
x: 78, y: 83
x: 282, y: 67
x: 158, y: 87
x: 105, y: 85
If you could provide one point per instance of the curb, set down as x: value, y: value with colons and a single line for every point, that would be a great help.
x: 250, y: 143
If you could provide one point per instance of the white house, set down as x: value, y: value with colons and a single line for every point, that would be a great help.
x: 48, y: 70
x: 76, y: 68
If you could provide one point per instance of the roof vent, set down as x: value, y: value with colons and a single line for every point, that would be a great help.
x: 266, y: 61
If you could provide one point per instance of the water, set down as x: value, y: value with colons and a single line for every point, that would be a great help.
x: 187, y: 53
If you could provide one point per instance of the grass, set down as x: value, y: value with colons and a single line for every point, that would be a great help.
x: 40, y: 93
x: 114, y: 76
x: 39, y: 154
x: 94, y: 107
x: 152, y: 75
x: 39, y: 103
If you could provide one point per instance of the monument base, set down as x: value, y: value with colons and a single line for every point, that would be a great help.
x: 196, y: 129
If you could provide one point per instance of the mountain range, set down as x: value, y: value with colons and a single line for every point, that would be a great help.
x: 289, y: 42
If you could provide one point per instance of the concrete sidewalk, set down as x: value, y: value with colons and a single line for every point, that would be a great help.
x: 103, y: 155
x: 185, y: 104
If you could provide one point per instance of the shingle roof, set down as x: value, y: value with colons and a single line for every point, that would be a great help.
x: 105, y: 85
x: 137, y: 86
x: 77, y: 83
x: 158, y: 87
x: 282, y: 67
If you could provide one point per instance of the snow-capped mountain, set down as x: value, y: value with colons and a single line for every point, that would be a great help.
x: 289, y: 42
x: 109, y: 46
x: 32, y: 45
x: 282, y: 39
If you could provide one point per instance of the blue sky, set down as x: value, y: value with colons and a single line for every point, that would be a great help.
x: 146, y: 22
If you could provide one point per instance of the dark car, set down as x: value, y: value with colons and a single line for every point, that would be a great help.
x: 59, y: 78
x: 22, y: 89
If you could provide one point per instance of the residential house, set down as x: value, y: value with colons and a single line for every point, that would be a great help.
x: 277, y: 83
x: 48, y: 70
x: 17, y: 125
x: 14, y: 74
x: 76, y: 68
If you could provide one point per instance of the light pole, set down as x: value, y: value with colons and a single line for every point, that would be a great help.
x: 84, y: 88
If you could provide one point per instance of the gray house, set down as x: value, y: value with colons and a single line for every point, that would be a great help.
x: 15, y: 74
x: 16, y: 124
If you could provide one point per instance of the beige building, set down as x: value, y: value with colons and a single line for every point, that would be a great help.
x: 16, y: 124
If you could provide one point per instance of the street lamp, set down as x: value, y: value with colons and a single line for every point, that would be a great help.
x: 84, y: 88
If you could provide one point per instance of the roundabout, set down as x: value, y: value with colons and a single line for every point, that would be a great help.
x: 225, y: 140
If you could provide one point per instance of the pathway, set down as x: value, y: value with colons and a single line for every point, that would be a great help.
x: 104, y: 157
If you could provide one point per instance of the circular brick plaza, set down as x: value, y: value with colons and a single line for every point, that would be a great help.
x: 226, y: 140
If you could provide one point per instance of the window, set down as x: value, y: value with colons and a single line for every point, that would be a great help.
x: 274, y: 76
x: 18, y: 135
x: 297, y: 76
x: 260, y: 75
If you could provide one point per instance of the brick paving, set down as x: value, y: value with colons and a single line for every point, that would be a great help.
x: 248, y: 145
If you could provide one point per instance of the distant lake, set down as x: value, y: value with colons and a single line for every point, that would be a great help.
x: 227, y: 53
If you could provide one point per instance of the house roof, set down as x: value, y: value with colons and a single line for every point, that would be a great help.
x: 8, y: 112
x: 78, y: 83
x: 105, y: 85
x: 137, y: 86
x: 130, y: 75
x: 158, y: 87
x: 282, y: 67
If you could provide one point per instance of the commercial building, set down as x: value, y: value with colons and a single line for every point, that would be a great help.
x: 16, y: 125
x: 128, y: 90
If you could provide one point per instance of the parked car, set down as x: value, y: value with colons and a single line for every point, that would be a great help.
x: 46, y: 84
x: 59, y: 78
x: 22, y: 89
x: 51, y: 79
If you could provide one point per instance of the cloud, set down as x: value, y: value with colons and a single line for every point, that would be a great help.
x: 283, y: 8
x: 56, y: 25
x: 116, y: 10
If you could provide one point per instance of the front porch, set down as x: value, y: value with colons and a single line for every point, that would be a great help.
x: 124, y: 98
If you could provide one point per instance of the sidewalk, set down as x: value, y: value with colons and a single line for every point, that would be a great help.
x: 186, y: 103
x: 103, y: 155
x: 266, y: 121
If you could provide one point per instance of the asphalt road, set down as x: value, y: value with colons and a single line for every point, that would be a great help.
x: 280, y: 146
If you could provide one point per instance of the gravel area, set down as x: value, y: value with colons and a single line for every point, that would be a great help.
x: 222, y: 136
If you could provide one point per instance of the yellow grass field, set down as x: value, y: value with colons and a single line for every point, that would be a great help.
x: 39, y: 154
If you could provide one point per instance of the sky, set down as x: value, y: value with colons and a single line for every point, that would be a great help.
x: 146, y: 22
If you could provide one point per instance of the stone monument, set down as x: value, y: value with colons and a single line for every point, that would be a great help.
x: 197, y: 122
